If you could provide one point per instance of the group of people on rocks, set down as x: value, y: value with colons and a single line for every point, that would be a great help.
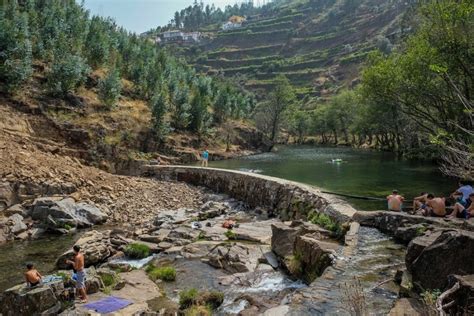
x: 34, y: 278
x: 427, y: 204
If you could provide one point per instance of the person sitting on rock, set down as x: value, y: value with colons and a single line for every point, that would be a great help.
x: 464, y: 190
x: 434, y: 206
x: 78, y: 265
x: 32, y: 276
x: 465, y: 210
x: 419, y: 201
x: 395, y: 201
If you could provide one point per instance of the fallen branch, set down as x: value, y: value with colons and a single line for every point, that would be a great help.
x: 439, y: 302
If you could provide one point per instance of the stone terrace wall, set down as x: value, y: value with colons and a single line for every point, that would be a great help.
x: 289, y: 200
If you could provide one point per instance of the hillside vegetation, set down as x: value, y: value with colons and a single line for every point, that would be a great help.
x: 112, y: 93
x: 318, y: 45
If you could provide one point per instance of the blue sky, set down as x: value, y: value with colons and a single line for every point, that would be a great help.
x: 141, y: 15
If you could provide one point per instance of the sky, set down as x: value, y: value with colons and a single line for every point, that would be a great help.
x: 142, y: 15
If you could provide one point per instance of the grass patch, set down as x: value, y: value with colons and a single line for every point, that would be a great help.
x: 137, y: 251
x: 325, y: 221
x: 187, y: 298
x: 230, y: 234
x: 167, y: 274
x: 198, y: 310
x: 421, y: 230
x: 192, y: 300
x: 108, y: 279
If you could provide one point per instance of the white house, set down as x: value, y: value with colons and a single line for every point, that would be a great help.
x: 227, y: 26
x: 177, y: 36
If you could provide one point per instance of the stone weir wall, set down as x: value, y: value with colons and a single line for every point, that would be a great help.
x: 289, y: 200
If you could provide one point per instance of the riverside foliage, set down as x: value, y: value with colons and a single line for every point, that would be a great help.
x: 69, y: 44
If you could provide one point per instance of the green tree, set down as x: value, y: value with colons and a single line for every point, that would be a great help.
x: 110, y: 88
x: 67, y: 73
x: 159, y: 105
x: 270, y: 114
x: 15, y: 48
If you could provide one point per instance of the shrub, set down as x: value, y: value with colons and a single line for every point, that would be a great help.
x: 137, y: 251
x: 110, y: 88
x: 212, y: 299
x: 198, y: 310
x: 230, y: 234
x: 167, y: 274
x: 187, y: 298
x: 324, y: 221
x: 108, y: 279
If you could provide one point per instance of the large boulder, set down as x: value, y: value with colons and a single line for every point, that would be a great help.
x: 6, y: 196
x: 96, y: 247
x: 20, y: 300
x: 16, y: 224
x: 236, y: 258
x: 64, y: 211
x: 430, y: 259
x: 463, y: 297
x: 310, y: 258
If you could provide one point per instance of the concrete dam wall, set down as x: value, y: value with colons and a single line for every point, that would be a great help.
x: 289, y: 200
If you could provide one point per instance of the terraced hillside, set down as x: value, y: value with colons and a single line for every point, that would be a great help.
x: 318, y: 45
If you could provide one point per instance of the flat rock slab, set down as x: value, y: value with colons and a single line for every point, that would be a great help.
x: 138, y: 288
x: 407, y: 307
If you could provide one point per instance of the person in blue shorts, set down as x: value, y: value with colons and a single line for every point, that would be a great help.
x: 204, y: 158
x: 464, y: 210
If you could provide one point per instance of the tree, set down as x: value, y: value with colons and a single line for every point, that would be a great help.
x: 270, y: 114
x: 430, y: 82
x: 67, y: 73
x: 159, y: 106
x: 110, y: 88
x: 15, y: 48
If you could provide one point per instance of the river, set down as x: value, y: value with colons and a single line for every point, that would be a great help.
x: 361, y: 172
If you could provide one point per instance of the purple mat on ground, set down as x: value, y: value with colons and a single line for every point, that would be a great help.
x: 108, y: 305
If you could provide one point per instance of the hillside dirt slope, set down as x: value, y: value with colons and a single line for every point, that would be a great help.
x: 32, y: 165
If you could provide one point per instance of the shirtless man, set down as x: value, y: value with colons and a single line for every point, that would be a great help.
x: 32, y: 276
x: 395, y: 201
x: 78, y: 265
x: 419, y: 201
x: 434, y: 206
x: 464, y: 210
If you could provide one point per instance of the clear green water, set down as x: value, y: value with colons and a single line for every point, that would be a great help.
x: 42, y: 253
x: 362, y: 172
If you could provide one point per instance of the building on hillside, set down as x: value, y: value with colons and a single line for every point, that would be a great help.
x: 228, y: 26
x: 234, y: 22
x: 177, y: 36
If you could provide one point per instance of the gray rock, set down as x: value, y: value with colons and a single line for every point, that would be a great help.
x: 95, y: 246
x: 271, y: 259
x: 6, y: 196
x: 21, y: 300
x: 59, y: 212
x: 430, y: 259
x: 16, y: 224
x: 16, y: 209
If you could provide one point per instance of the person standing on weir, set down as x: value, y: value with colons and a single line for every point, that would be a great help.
x: 205, y: 158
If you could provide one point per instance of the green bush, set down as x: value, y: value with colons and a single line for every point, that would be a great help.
x: 212, y: 299
x: 167, y: 274
x: 137, y: 251
x: 108, y: 279
x: 230, y: 234
x: 324, y: 221
x: 198, y: 310
x: 187, y: 298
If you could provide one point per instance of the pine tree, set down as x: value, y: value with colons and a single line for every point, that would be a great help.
x: 159, y: 106
x: 15, y: 48
x: 67, y: 73
x: 110, y: 88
